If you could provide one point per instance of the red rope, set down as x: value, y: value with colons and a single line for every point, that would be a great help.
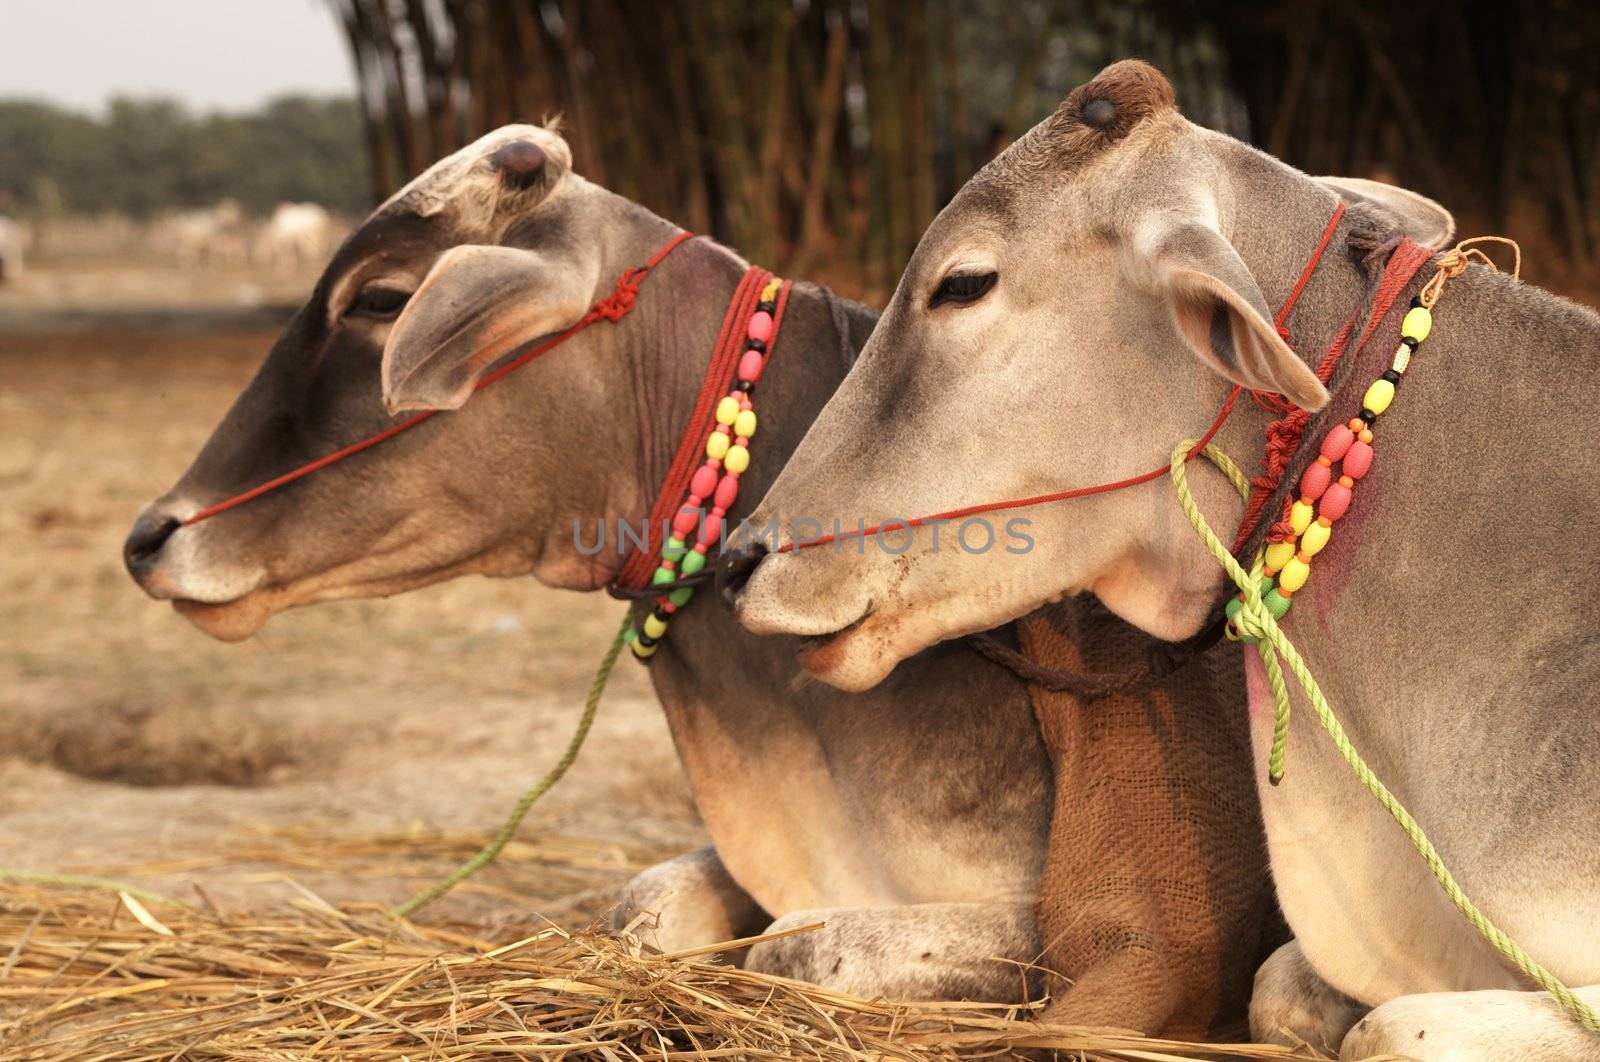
x: 725, y: 353
x: 613, y: 308
x: 1023, y: 503
x: 1272, y: 401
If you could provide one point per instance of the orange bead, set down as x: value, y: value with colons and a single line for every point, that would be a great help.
x: 1366, y: 436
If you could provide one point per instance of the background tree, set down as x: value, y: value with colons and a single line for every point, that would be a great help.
x: 827, y: 132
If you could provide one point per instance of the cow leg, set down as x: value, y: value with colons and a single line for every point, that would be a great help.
x: 1452, y: 1026
x: 1291, y: 1005
x: 688, y: 902
x: 968, y: 951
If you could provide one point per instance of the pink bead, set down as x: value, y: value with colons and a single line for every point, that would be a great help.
x: 1337, y: 441
x: 1315, y: 480
x: 760, y: 326
x: 1334, y: 502
x: 750, y: 366
x: 684, y: 522
x: 710, y: 531
x: 727, y: 490
x: 1357, y: 460
x: 705, y: 480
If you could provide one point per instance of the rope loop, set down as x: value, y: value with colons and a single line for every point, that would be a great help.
x: 1454, y: 262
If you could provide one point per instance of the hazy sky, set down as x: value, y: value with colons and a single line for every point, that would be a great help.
x: 210, y: 53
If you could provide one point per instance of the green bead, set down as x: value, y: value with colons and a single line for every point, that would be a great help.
x: 663, y: 575
x: 681, y: 595
x: 1276, y: 603
x: 1231, y: 609
x: 673, y: 549
x: 692, y: 562
x: 633, y: 632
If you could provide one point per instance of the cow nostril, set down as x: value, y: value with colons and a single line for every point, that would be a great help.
x: 736, y: 568
x: 143, y: 545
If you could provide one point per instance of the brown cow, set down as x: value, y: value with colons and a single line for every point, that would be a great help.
x: 911, y: 819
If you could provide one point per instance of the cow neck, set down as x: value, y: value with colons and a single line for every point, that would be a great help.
x: 686, y: 521
x: 1387, y: 268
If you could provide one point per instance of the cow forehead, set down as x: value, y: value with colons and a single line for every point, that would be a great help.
x: 467, y: 179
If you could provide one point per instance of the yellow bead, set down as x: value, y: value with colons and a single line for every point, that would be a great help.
x: 1378, y: 396
x: 727, y: 410
x: 1417, y: 324
x: 745, y: 423
x: 717, y: 445
x: 1294, y: 574
x: 737, y: 461
x: 1315, y: 538
x: 642, y: 651
x: 1300, y: 516
x: 1278, y: 555
x: 654, y: 627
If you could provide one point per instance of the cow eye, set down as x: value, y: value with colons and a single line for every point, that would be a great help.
x: 378, y: 303
x: 963, y: 288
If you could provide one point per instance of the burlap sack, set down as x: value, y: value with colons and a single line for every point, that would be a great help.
x: 1155, y: 903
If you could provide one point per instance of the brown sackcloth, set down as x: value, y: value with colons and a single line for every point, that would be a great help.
x: 1155, y: 901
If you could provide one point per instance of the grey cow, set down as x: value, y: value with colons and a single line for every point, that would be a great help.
x: 1085, y: 302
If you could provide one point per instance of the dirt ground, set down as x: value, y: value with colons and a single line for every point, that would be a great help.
x: 358, y: 749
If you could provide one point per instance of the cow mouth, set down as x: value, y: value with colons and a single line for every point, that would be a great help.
x: 227, y: 621
x: 821, y: 653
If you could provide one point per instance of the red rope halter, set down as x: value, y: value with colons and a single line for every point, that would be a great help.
x: 614, y: 307
x: 1271, y: 401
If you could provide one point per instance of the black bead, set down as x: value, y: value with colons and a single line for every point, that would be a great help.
x: 1409, y: 341
x: 1416, y: 302
x: 645, y: 640
x: 661, y: 614
x: 767, y: 307
x: 746, y: 386
x: 756, y: 345
x: 1368, y: 416
x: 1392, y: 376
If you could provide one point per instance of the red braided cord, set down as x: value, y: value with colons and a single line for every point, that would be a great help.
x: 636, y: 570
x: 612, y: 308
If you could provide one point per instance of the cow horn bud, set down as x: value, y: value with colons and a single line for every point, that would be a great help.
x: 519, y: 162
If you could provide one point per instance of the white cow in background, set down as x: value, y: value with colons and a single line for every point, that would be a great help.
x: 11, y: 240
x: 214, y: 235
x: 297, y: 235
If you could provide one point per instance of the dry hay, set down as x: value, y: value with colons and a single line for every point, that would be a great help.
x: 90, y: 975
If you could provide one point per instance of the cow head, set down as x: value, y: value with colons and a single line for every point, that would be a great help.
x: 491, y: 248
x: 1081, y: 305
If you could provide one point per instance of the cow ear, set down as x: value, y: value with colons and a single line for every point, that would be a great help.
x: 1417, y: 216
x: 1223, y: 317
x: 476, y: 305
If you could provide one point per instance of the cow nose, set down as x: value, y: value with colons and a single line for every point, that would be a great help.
x: 142, y: 549
x: 736, y: 568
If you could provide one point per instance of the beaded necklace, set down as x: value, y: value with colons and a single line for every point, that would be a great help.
x: 727, y: 456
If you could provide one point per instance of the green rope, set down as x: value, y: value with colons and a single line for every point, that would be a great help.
x: 1257, y: 626
x: 492, y: 850
x: 92, y: 884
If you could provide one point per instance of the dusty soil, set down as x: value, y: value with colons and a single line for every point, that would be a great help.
x: 358, y: 748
